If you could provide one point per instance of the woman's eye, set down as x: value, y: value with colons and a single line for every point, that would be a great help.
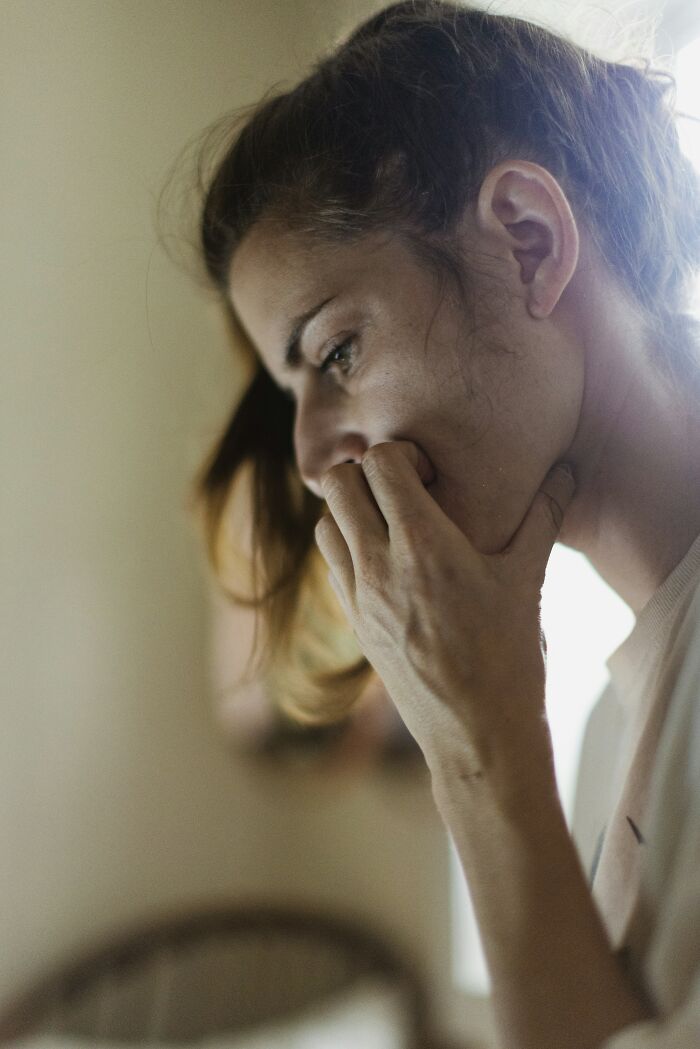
x: 341, y: 355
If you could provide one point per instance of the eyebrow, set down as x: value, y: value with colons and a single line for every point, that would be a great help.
x: 292, y: 353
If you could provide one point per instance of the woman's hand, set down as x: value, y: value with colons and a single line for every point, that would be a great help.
x: 454, y: 634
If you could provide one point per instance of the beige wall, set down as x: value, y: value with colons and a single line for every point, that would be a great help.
x: 118, y: 795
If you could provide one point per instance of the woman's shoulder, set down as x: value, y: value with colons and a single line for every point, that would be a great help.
x: 679, y: 747
x: 688, y: 633
x: 672, y: 848
x: 597, y: 761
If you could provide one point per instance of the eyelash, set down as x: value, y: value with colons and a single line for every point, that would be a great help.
x: 327, y: 363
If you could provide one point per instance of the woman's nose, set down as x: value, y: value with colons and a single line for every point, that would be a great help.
x: 312, y: 482
x: 322, y: 442
x: 312, y: 468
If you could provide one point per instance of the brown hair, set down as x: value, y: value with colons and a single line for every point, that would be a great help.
x: 396, y: 129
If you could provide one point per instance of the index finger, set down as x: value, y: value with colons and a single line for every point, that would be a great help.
x: 396, y: 472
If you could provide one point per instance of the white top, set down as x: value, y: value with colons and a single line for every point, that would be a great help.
x: 636, y: 818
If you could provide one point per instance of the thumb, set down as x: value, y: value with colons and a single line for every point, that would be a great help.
x: 538, y: 533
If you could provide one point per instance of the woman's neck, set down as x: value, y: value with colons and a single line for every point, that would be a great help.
x: 637, y: 456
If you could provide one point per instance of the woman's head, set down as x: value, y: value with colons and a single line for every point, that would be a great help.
x: 440, y: 178
x: 398, y: 127
x: 490, y: 395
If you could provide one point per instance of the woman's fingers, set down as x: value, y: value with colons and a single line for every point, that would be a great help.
x: 333, y: 546
x: 532, y: 543
x: 354, y: 533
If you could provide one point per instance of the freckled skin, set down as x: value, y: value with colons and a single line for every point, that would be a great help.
x: 560, y: 374
x: 553, y: 364
x: 492, y: 410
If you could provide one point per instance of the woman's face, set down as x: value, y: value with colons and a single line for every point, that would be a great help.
x: 492, y: 399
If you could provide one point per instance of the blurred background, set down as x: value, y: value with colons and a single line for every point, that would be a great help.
x: 132, y: 781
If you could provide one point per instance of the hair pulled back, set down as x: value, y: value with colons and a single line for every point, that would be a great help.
x: 396, y: 130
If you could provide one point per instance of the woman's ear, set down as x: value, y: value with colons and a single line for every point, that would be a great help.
x: 523, y: 208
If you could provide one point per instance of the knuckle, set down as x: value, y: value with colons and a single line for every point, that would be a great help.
x: 374, y: 458
x: 333, y: 477
x: 376, y: 451
x: 322, y: 525
x: 330, y: 481
x: 368, y: 571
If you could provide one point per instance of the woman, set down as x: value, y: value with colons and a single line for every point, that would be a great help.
x: 460, y: 253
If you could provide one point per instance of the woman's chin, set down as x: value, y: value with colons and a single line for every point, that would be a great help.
x: 485, y: 535
x: 451, y: 507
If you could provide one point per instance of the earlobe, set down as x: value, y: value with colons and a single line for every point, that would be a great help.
x: 524, y: 207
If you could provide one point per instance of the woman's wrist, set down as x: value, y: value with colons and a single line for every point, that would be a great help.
x: 513, y: 778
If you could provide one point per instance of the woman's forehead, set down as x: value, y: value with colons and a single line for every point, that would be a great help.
x: 269, y: 261
x: 289, y: 259
x: 277, y: 275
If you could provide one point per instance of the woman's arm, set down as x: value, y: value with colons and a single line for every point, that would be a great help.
x: 455, y: 636
x: 556, y: 982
